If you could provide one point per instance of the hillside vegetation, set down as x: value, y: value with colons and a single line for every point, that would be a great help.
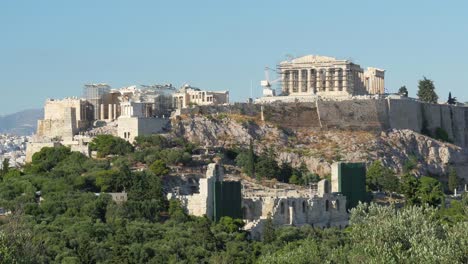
x: 61, y: 213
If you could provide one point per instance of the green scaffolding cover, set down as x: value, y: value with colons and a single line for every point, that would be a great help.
x: 352, y: 183
x: 227, y: 200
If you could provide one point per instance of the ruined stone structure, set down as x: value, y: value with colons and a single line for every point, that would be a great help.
x: 188, y: 96
x: 64, y: 118
x: 329, y: 77
x: 317, y: 207
x: 201, y: 203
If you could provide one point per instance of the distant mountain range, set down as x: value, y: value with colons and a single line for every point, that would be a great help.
x: 22, y: 123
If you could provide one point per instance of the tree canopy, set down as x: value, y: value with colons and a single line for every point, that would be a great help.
x: 403, y: 91
x: 426, y: 91
x: 110, y: 145
x: 62, y: 212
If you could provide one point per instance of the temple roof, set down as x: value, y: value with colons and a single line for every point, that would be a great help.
x: 311, y: 59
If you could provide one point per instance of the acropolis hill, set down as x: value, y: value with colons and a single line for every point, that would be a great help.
x: 320, y: 94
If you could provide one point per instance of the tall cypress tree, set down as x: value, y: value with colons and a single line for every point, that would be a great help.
x: 452, y: 180
x: 451, y: 100
x: 5, y: 167
x: 269, y: 234
x: 251, y: 160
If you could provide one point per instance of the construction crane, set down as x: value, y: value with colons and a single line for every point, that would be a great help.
x: 266, y: 84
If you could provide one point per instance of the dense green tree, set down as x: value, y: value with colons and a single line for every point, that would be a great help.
x: 12, y: 173
x: 295, y: 179
x: 451, y: 100
x: 409, y: 187
x: 148, y: 141
x: 47, y: 158
x: 384, y: 234
x: 403, y: 91
x: 159, y: 168
x: 110, y: 145
x: 455, y: 213
x: 175, y: 156
x: 452, y: 180
x: 108, y: 181
x: 381, y: 178
x: 251, y: 159
x: 286, y: 170
x: 268, y: 234
x: 266, y: 166
x: 430, y: 191
x: 5, y: 167
x: 410, y: 164
x: 177, y: 212
x: 246, y: 160
x: 426, y: 91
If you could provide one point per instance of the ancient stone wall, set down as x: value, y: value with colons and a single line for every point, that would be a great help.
x: 358, y: 114
x: 367, y: 114
x: 298, y: 114
x: 236, y: 108
x: 404, y: 114
x: 201, y: 203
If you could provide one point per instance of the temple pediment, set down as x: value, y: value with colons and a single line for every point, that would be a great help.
x: 313, y: 59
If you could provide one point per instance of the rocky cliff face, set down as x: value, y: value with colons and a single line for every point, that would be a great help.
x: 318, y: 149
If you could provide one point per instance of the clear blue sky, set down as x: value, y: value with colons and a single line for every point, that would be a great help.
x: 51, y: 48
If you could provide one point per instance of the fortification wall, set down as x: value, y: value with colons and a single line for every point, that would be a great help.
x: 298, y: 114
x: 404, y: 114
x: 459, y: 125
x: 236, y: 108
x: 65, y: 127
x: 360, y: 114
x: 354, y: 114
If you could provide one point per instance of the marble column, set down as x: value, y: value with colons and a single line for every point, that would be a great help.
x: 299, y: 81
x: 318, y: 80
x: 110, y: 112
x: 295, y: 84
x: 115, y: 111
x: 308, y: 80
x: 312, y: 80
x: 102, y: 111
x: 337, y: 80
x: 284, y: 82
x: 327, y: 80
x: 345, y: 80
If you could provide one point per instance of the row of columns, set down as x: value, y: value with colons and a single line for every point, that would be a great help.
x: 313, y: 80
x: 376, y: 85
x: 111, y: 112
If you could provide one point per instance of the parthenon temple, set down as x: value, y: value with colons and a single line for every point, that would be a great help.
x: 327, y: 76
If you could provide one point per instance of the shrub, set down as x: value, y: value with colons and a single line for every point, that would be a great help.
x: 442, y: 135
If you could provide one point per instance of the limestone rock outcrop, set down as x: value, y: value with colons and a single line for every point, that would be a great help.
x: 318, y: 149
